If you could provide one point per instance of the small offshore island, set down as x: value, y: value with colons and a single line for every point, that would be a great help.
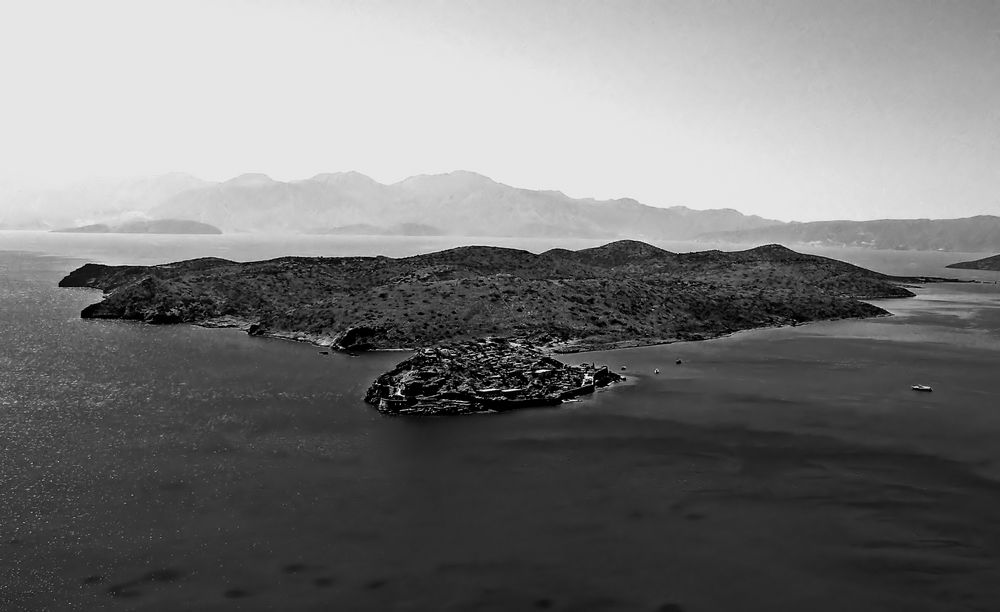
x: 625, y: 293
x: 488, y: 375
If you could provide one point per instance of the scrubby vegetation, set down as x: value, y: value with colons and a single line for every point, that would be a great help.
x: 623, y: 292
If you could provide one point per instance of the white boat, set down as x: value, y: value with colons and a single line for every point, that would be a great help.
x: 921, y: 388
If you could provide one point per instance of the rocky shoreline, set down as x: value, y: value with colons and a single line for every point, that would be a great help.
x: 487, y: 375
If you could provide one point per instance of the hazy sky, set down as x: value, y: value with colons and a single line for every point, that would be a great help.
x: 792, y: 110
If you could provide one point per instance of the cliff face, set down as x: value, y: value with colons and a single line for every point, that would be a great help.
x: 624, y: 292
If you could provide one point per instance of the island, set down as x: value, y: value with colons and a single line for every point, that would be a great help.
x: 625, y: 293
x: 486, y: 375
x: 152, y: 226
x: 986, y: 263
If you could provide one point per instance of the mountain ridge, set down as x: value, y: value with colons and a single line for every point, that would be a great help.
x: 458, y: 203
x: 455, y: 203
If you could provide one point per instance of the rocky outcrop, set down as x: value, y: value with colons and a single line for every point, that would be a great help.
x: 358, y: 338
x: 487, y: 375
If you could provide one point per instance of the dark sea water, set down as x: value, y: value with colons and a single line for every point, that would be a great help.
x: 180, y: 468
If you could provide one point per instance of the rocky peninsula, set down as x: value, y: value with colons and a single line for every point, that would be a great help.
x: 986, y: 263
x: 625, y: 293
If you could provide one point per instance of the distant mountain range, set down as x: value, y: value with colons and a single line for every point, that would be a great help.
x: 972, y: 234
x: 458, y: 203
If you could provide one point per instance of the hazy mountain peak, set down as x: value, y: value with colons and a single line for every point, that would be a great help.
x: 251, y: 179
x: 455, y: 178
x: 466, y: 175
x: 338, y: 178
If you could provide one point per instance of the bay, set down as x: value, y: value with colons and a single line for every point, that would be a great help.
x: 167, y: 468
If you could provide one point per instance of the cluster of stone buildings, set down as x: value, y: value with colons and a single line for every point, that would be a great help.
x: 482, y: 375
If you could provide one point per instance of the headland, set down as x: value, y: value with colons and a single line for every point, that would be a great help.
x: 986, y: 263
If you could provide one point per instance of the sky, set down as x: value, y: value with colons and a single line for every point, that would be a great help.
x: 801, y: 110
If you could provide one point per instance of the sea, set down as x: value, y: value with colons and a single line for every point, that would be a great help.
x: 783, y: 469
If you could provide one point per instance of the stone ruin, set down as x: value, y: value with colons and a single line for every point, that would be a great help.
x: 487, y: 375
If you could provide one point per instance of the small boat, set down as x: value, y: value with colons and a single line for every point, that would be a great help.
x: 921, y: 388
x: 656, y: 371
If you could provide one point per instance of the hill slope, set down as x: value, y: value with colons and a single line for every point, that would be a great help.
x: 623, y: 292
x: 459, y: 203
x: 972, y: 234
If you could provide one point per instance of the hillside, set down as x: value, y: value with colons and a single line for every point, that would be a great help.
x: 154, y: 226
x: 986, y: 263
x: 972, y: 234
x: 624, y: 292
x: 459, y: 203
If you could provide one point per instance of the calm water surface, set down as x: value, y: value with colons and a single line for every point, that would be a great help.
x: 173, y: 468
